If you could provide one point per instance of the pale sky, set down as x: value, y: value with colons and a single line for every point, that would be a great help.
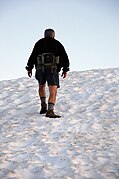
x: 88, y: 29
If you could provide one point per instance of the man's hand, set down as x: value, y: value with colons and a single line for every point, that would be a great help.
x: 30, y: 73
x: 64, y: 74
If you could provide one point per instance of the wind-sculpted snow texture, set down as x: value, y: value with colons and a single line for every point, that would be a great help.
x: 82, y: 144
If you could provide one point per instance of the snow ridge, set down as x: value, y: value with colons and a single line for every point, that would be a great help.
x: 82, y: 144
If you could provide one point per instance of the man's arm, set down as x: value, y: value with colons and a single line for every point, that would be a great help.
x: 65, y: 61
x: 31, y: 61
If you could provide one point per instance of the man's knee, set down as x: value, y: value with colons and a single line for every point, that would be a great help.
x: 53, y: 90
x: 41, y: 90
x: 41, y: 87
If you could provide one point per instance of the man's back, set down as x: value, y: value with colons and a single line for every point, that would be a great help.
x: 49, y: 45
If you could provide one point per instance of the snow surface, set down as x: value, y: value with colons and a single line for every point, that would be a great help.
x: 82, y: 144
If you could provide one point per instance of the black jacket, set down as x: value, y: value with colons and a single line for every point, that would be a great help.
x: 49, y: 45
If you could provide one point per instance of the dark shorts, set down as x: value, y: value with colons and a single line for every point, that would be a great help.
x: 49, y: 76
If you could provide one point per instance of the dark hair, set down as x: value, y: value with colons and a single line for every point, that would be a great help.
x: 49, y: 33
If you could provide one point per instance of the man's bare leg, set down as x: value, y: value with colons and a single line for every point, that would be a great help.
x: 52, y: 94
x: 42, y: 95
x: 41, y: 90
x: 51, y: 102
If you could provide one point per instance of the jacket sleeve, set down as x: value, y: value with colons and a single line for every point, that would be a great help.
x: 64, y: 59
x: 32, y: 59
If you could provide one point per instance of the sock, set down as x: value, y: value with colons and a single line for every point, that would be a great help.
x: 51, y: 106
x: 43, y: 100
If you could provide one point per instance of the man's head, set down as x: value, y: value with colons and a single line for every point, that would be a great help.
x: 49, y: 33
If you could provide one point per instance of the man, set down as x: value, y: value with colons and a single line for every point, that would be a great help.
x: 49, y: 57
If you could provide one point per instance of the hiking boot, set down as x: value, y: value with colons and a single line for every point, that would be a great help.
x: 43, y: 108
x: 51, y: 114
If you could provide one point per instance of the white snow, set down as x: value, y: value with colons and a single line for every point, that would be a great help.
x: 82, y: 144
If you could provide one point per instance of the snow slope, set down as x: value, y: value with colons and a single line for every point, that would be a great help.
x: 82, y: 144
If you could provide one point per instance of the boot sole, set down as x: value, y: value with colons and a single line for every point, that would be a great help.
x: 53, y: 116
x: 43, y: 112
